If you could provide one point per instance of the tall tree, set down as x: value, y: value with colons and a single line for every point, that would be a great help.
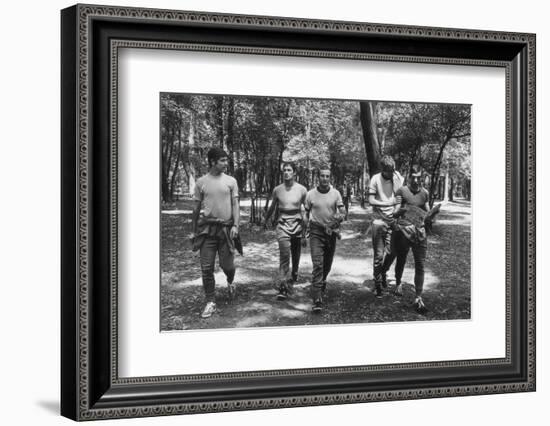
x: 370, y: 136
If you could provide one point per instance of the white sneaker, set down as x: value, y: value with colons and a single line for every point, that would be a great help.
x: 231, y: 290
x: 419, y: 305
x: 398, y: 290
x: 209, y: 309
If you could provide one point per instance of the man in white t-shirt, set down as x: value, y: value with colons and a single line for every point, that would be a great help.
x: 288, y: 199
x: 324, y: 211
x: 384, y: 201
x: 216, y: 228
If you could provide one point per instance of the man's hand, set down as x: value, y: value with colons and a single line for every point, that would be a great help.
x: 391, y: 202
x: 379, y: 203
x: 400, y: 212
x: 192, y: 235
x: 234, y: 232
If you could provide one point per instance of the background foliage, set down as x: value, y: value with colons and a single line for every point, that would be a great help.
x: 349, y: 136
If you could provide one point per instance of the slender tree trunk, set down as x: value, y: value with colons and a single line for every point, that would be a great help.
x: 166, y: 183
x: 370, y: 138
x: 280, y: 163
x: 175, y: 171
x: 252, y: 193
x: 191, y: 142
x: 382, y: 139
x: 230, y: 134
x: 266, y: 204
x: 435, y: 170
x: 452, y: 191
x: 364, y: 184
x: 219, y: 121
x: 446, y: 187
x: 164, y: 170
x: 175, y: 174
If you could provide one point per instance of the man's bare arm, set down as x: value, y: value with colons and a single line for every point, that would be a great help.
x: 377, y: 203
x: 195, y: 216
x: 398, y: 204
x: 236, y: 212
x: 272, y: 207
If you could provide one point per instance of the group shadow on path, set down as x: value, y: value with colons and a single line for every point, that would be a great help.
x: 350, y: 291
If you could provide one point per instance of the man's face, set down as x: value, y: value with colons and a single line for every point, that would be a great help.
x: 416, y: 180
x: 221, y: 164
x: 288, y: 173
x: 324, y: 178
x: 387, y: 173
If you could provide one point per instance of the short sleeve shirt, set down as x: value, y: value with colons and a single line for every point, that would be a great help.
x: 216, y: 194
x: 411, y: 223
x: 384, y: 190
x: 323, y: 207
x: 408, y: 197
x: 290, y: 199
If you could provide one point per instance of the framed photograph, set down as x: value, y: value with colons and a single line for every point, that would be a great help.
x: 263, y: 212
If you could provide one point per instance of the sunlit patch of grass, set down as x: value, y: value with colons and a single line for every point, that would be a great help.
x: 349, y: 297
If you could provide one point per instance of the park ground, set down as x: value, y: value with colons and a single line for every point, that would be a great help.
x: 350, y: 291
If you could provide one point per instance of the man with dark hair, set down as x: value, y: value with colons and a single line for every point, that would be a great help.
x: 410, y: 233
x: 384, y: 200
x: 325, y: 212
x: 216, y: 229
x: 288, y: 198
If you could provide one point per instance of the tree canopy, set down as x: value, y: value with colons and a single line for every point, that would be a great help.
x: 259, y: 133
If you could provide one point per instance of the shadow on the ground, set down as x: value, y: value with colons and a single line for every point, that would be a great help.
x: 349, y: 298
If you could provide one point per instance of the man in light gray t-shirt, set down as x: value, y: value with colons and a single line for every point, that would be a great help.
x: 216, y: 225
x: 288, y: 199
x: 325, y: 212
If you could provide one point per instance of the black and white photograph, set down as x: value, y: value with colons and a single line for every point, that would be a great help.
x: 279, y: 211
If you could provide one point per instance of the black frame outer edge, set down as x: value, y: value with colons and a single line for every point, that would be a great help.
x: 102, y: 393
x: 520, y: 208
x: 69, y: 189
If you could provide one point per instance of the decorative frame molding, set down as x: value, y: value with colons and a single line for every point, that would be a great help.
x: 91, y: 37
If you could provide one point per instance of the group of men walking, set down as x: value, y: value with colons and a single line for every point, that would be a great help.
x: 315, y: 215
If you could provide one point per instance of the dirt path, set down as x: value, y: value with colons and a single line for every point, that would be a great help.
x: 349, y: 292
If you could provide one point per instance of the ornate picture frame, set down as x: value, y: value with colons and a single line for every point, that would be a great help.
x: 91, y: 386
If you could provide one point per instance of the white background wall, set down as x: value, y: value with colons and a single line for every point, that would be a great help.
x: 30, y: 228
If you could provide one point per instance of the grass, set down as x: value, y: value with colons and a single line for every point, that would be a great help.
x: 350, y: 297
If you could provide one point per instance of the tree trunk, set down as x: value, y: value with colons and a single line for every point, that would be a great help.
x: 219, y: 121
x: 446, y: 187
x: 435, y: 170
x: 370, y: 138
x: 164, y: 166
x: 452, y: 191
x: 230, y: 133
x: 254, y: 181
x: 191, y: 142
x: 363, y: 184
x: 175, y: 171
x: 166, y: 183
x: 382, y: 139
